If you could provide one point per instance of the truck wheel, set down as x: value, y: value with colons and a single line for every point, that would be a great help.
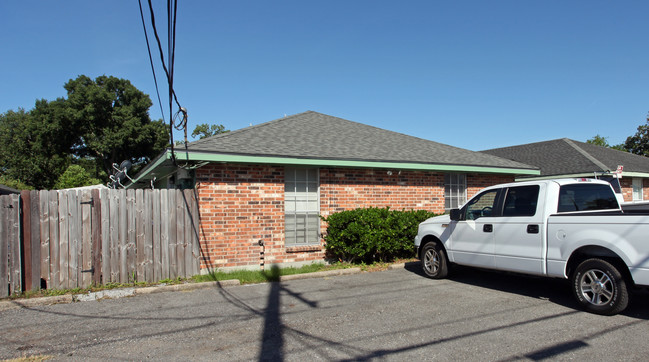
x: 434, y: 261
x: 600, y: 287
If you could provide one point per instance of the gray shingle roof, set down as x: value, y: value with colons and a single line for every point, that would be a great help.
x: 565, y: 156
x: 314, y: 135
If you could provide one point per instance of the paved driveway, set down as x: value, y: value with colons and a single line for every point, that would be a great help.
x: 390, y: 315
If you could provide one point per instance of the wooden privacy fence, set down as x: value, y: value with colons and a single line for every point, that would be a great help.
x: 75, y: 238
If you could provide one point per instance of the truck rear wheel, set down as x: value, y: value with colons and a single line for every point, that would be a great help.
x: 434, y: 261
x: 600, y: 287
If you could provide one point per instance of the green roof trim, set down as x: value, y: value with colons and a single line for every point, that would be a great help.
x: 582, y: 175
x: 224, y: 158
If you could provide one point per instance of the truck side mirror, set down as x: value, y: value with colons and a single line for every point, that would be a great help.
x: 455, y: 214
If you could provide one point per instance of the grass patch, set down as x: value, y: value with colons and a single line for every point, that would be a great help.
x: 244, y: 277
x: 269, y: 275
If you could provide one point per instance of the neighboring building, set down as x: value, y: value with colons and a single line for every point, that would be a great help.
x: 271, y: 182
x: 6, y: 190
x: 568, y: 158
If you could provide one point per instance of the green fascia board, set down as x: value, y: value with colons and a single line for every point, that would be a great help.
x: 224, y: 158
x: 242, y: 159
x: 582, y: 175
x: 634, y: 174
x: 157, y: 162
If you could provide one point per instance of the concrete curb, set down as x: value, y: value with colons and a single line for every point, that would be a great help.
x: 409, y: 264
x: 35, y: 302
x: 111, y: 294
x: 130, y: 292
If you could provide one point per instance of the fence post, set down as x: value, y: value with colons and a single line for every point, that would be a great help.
x: 5, y: 221
x: 96, y: 237
x: 27, y: 241
x: 10, y: 246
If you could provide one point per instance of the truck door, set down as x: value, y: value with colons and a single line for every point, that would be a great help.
x: 519, y: 233
x: 472, y: 239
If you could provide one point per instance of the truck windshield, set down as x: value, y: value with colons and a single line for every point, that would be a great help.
x: 586, y: 197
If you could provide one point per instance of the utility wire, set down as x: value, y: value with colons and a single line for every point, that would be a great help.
x: 155, y: 32
x: 178, y: 120
x: 155, y: 79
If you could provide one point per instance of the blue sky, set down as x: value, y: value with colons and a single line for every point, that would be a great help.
x: 471, y: 74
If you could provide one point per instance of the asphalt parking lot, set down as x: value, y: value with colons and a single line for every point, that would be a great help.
x: 389, y: 315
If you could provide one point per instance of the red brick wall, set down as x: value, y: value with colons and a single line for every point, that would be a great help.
x: 242, y: 204
x: 346, y: 189
x: 627, y: 188
x: 476, y: 182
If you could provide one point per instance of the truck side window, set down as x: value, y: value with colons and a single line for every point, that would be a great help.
x: 482, y: 205
x: 521, y: 201
x: 583, y: 197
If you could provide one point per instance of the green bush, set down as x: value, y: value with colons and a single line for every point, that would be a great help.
x: 373, y: 234
x: 75, y: 176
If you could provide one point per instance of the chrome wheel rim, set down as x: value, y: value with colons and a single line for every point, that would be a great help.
x: 431, y: 261
x: 596, y: 287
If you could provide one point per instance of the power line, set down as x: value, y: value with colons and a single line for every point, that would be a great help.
x: 175, y: 120
x: 155, y: 79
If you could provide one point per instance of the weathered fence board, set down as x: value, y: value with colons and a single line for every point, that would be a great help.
x: 55, y: 255
x: 5, y: 204
x: 164, y: 234
x: 173, y: 226
x: 45, y: 234
x: 10, y: 245
x: 86, y: 238
x: 73, y: 239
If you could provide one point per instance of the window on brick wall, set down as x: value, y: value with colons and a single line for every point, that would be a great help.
x: 302, y: 206
x: 454, y: 190
x: 637, y: 189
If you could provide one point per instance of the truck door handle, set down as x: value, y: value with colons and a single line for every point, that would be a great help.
x: 532, y: 229
x: 488, y: 228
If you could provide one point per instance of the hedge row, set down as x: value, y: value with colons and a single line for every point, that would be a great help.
x: 373, y: 234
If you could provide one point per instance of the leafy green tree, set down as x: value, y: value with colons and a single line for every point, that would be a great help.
x: 111, y: 119
x: 4, y: 180
x: 102, y: 121
x: 639, y: 142
x: 204, y: 130
x: 602, y: 141
x: 75, y: 176
x: 598, y: 141
x: 32, y: 149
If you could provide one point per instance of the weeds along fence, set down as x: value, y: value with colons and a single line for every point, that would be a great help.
x: 76, y: 238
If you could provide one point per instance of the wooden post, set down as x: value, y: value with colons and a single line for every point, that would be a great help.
x: 35, y: 282
x: 27, y: 241
x: 164, y: 232
x: 43, y: 197
x: 5, y: 250
x: 87, y: 204
x: 96, y: 237
x: 173, y: 237
x: 55, y: 242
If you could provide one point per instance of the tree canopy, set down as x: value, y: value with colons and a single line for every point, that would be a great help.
x: 204, y: 130
x: 639, y: 142
x: 102, y: 121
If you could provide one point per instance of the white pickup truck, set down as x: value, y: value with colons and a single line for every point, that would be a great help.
x: 567, y: 228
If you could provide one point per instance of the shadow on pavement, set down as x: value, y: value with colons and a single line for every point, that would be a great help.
x: 555, y: 290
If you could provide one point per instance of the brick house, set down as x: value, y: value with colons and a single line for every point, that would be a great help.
x: 569, y: 158
x: 271, y: 182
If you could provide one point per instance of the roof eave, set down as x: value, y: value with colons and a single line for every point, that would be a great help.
x: 281, y: 160
x: 195, y: 157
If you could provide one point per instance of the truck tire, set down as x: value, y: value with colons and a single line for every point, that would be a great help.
x: 600, y: 287
x: 434, y: 261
